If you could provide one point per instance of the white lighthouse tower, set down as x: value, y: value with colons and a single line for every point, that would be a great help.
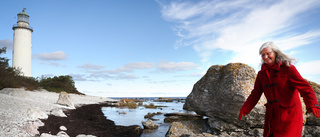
x: 21, y: 56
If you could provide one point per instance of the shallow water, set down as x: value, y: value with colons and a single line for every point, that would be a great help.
x: 135, y: 116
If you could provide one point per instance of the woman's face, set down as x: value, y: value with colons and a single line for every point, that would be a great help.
x: 268, y: 56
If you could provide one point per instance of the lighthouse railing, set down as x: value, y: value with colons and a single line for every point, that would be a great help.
x: 17, y: 26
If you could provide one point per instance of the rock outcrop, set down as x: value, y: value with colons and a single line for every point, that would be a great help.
x: 220, y: 94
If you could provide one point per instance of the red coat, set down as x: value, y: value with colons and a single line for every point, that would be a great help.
x: 281, y: 85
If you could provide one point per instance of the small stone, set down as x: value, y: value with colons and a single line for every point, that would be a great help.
x: 149, y: 124
x: 63, y: 128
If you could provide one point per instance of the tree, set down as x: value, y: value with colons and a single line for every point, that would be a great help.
x: 10, y: 77
x: 3, y: 61
x: 58, y: 84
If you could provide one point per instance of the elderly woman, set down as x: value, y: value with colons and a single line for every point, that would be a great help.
x: 281, y: 83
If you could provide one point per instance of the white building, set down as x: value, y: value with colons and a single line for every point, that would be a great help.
x: 21, y: 56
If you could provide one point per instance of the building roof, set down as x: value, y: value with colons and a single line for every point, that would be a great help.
x: 23, y: 13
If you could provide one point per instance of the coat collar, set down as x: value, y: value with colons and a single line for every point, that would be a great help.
x: 276, y: 66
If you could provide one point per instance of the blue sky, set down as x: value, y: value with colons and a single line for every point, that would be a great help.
x: 127, y: 48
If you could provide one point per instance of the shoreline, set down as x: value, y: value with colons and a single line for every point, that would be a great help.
x: 21, y: 111
x: 88, y: 120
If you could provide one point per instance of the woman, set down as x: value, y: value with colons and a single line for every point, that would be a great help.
x: 281, y: 83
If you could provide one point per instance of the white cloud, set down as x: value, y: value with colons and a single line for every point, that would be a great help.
x: 139, y: 65
x: 309, y: 68
x: 126, y: 76
x: 58, y: 55
x: 239, y: 26
x: 6, y: 43
x: 197, y: 75
x: 298, y: 40
x: 91, y: 66
x: 52, y: 64
x: 173, y: 66
x: 130, y: 67
x: 78, y: 77
x: 95, y: 72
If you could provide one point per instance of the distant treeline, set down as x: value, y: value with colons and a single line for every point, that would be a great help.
x: 11, y: 78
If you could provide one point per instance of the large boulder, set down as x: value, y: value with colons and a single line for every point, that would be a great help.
x: 221, y: 92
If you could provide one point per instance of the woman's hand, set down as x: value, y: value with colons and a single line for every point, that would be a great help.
x: 316, y: 112
x: 241, y: 113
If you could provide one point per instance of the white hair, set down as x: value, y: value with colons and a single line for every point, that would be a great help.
x: 280, y: 56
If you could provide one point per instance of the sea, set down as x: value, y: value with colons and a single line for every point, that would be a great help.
x: 127, y: 117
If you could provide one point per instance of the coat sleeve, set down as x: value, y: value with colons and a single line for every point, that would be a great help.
x: 303, y: 87
x: 254, y: 97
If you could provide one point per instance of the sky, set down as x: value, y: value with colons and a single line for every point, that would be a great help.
x: 159, y: 48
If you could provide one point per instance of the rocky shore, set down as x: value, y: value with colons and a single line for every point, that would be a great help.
x: 37, y: 113
x: 87, y: 120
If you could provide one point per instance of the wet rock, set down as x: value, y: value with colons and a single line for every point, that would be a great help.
x: 172, y: 117
x: 149, y: 124
x: 162, y: 99
x: 150, y: 115
x: 189, y: 128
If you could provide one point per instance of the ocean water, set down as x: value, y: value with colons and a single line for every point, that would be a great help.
x: 135, y: 116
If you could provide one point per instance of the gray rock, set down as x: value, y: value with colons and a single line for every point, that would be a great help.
x: 172, y: 117
x: 149, y: 124
x: 58, y: 112
x: 64, y: 99
x: 311, y: 131
x: 220, y: 94
x: 63, y: 128
x: 162, y: 99
x: 150, y: 115
x: 36, y: 113
x: 189, y: 128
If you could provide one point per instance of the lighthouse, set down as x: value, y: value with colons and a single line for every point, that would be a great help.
x: 21, y: 55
